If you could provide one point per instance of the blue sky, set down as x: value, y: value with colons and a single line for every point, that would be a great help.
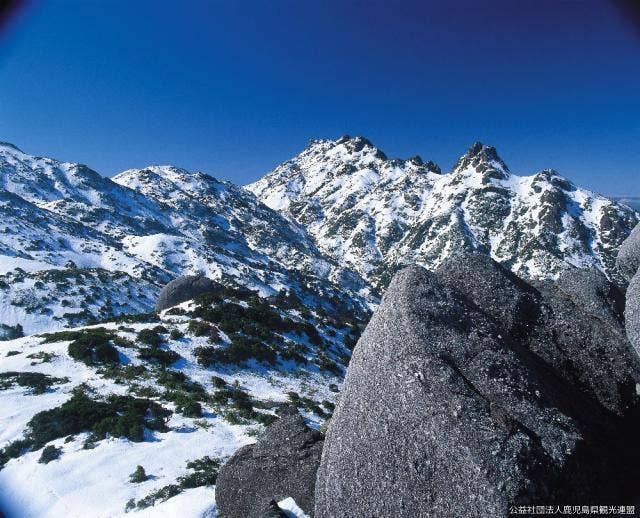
x: 233, y: 88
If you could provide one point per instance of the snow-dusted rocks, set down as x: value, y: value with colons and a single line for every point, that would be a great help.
x: 282, y: 464
x: 449, y: 409
x: 376, y: 215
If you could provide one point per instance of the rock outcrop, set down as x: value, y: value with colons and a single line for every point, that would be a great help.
x: 282, y: 464
x: 471, y: 391
x: 629, y: 264
x: 628, y: 261
x: 183, y: 289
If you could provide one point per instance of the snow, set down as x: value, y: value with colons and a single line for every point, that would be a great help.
x: 291, y: 509
x: 424, y: 217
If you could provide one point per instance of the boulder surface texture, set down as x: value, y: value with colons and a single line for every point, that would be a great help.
x: 182, y: 289
x: 283, y: 463
x: 471, y: 392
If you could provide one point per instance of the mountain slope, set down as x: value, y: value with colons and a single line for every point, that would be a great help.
x: 376, y: 215
x: 193, y: 384
x: 139, y: 231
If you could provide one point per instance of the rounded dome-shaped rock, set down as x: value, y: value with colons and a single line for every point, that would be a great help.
x: 183, y: 289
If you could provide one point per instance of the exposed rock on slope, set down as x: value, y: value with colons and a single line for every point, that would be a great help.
x: 629, y: 264
x: 377, y: 215
x: 282, y: 464
x: 449, y: 409
x: 183, y: 289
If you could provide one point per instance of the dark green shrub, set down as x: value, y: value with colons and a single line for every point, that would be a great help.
x: 150, y: 337
x: 49, y: 453
x: 139, y: 475
x: 92, y: 346
x: 161, y: 495
x: 118, y: 416
x: 38, y: 382
x: 333, y: 387
x: 200, y: 328
x: 205, y: 473
x: 12, y: 353
x: 218, y: 382
x: 176, y: 334
x: 162, y: 357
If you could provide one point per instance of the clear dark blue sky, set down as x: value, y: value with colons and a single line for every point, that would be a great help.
x: 233, y: 88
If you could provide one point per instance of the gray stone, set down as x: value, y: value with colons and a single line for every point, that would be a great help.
x: 628, y: 260
x: 283, y: 463
x: 447, y: 411
x: 575, y: 324
x: 632, y: 312
x: 183, y: 289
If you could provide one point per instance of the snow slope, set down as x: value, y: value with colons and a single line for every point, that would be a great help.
x: 94, y: 481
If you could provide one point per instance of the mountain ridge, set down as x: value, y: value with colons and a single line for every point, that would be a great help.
x: 377, y: 214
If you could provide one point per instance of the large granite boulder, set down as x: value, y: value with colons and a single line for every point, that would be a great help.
x: 632, y: 312
x: 575, y: 324
x: 628, y: 260
x: 628, y: 263
x: 183, y: 289
x: 449, y: 409
x: 282, y: 464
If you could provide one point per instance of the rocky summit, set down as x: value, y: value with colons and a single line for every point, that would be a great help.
x: 377, y: 214
x: 451, y: 407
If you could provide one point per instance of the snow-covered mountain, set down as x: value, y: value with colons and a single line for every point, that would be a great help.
x: 376, y: 214
x: 76, y: 246
x: 298, y: 265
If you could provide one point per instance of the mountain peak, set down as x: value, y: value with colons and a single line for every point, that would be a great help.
x: 11, y: 146
x: 484, y: 159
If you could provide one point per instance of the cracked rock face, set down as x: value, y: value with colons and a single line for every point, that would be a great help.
x: 183, y: 289
x: 282, y: 464
x: 448, y: 409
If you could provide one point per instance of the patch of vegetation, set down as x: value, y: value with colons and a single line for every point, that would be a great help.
x: 120, y: 373
x: 43, y: 356
x: 49, y: 453
x: 176, y: 334
x: 93, y: 347
x: 183, y: 392
x: 38, y: 383
x: 162, y: 357
x: 160, y: 495
x: 12, y: 353
x: 150, y: 336
x: 138, y: 476
x: 200, y: 328
x: 306, y: 403
x: 116, y: 416
x: 205, y: 473
x: 239, y: 405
